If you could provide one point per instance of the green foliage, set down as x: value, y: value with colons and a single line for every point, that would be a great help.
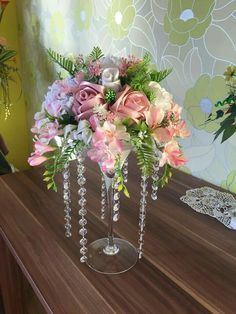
x: 63, y: 62
x: 159, y: 76
x: 227, y: 127
x: 6, y: 54
x: 96, y: 54
x: 164, y: 179
x: 58, y: 160
x: 140, y: 74
x: 142, y: 142
x: 119, y: 178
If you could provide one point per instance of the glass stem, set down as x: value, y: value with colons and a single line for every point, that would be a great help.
x: 111, y: 248
x: 110, y: 198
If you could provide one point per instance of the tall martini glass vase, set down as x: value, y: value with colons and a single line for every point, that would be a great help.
x: 111, y: 255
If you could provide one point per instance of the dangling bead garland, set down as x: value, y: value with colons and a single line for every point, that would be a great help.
x: 116, y: 203
x: 103, y: 197
x: 142, y: 214
x: 155, y: 178
x: 82, y: 203
x: 67, y: 200
x: 125, y: 170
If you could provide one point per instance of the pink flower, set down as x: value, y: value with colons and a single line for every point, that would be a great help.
x: 163, y: 135
x: 36, y: 159
x: 181, y: 130
x: 154, y: 116
x: 172, y: 155
x: 131, y: 104
x: 108, y: 142
x: 49, y: 131
x: 86, y: 96
x: 41, y: 148
x: 53, y: 108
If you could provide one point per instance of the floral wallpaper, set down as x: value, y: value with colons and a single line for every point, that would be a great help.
x: 195, y: 37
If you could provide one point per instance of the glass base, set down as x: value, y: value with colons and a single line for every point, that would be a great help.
x: 111, y: 260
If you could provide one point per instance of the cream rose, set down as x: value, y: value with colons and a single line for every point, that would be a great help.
x: 110, y: 79
x: 162, y: 99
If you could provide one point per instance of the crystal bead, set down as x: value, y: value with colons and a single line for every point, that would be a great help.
x: 80, y: 158
x: 82, y: 191
x: 83, y: 241
x: 82, y: 202
x: 83, y: 222
x: 154, y: 187
x: 81, y: 169
x: 116, y: 207
x: 68, y: 234
x: 116, y: 196
x: 154, y: 196
x: 66, y: 175
x: 116, y: 217
x: 83, y: 231
x: 83, y: 250
x: 81, y: 180
x: 83, y: 259
x: 155, y: 176
x: 103, y: 201
x: 82, y: 212
x: 66, y: 185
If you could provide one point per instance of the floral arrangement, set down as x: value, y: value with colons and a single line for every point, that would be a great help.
x: 108, y: 106
x: 227, y: 111
x: 6, y: 67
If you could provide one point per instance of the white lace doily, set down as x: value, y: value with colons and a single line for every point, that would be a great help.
x: 219, y: 205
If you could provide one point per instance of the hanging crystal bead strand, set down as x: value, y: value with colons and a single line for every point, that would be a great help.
x: 82, y: 203
x: 125, y: 171
x: 67, y: 200
x: 155, y: 178
x: 142, y: 214
x: 116, y: 203
x: 103, y: 197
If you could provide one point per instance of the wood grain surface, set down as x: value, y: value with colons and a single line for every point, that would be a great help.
x: 189, y: 264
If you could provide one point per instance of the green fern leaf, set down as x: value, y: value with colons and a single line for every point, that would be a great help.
x: 159, y: 76
x: 63, y: 62
x: 96, y: 54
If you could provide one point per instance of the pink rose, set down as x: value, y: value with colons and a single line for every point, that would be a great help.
x: 86, y: 96
x: 131, y: 104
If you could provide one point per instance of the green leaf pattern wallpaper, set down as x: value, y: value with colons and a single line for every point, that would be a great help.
x: 195, y: 37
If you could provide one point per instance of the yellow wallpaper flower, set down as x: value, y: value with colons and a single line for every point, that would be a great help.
x: 83, y: 12
x: 57, y: 26
x: 120, y: 16
x: 187, y: 18
x: 230, y: 182
x: 200, y: 101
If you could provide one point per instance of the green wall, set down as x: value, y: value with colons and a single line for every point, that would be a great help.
x: 195, y: 37
x: 14, y: 129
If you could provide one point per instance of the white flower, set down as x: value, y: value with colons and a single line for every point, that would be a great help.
x: 162, y: 99
x: 83, y: 132
x: 110, y: 78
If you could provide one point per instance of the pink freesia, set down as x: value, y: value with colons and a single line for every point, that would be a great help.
x: 107, y: 143
x: 53, y: 108
x: 172, y: 155
x: 50, y: 131
x: 181, y: 130
x: 163, y: 135
x: 131, y: 104
x: 94, y: 122
x: 36, y: 160
x: 86, y: 96
x: 154, y: 116
x: 41, y: 148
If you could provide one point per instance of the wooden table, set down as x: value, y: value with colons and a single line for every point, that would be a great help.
x: 189, y: 265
